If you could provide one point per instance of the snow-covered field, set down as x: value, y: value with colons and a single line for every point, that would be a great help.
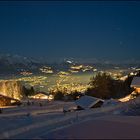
x: 109, y: 127
x: 49, y: 121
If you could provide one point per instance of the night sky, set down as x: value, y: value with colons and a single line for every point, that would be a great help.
x: 108, y: 30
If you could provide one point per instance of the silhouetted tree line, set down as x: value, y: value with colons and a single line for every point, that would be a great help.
x: 62, y: 95
x: 28, y: 91
x: 105, y: 87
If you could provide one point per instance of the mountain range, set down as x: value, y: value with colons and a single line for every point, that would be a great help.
x: 13, y: 64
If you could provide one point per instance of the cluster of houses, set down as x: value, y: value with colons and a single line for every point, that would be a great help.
x: 84, y: 102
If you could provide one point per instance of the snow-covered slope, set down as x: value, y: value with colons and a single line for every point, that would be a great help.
x: 41, y: 122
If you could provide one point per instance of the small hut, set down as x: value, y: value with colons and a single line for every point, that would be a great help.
x: 8, y: 101
x: 87, y: 102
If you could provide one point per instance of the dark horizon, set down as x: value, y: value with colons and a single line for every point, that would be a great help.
x: 103, y: 30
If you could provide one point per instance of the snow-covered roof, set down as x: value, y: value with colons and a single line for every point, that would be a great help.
x: 135, y: 82
x: 87, y: 102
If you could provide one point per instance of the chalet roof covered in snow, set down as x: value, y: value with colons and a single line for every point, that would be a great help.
x: 135, y: 82
x: 87, y: 102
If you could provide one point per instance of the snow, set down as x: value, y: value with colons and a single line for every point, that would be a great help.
x: 49, y: 121
x: 109, y: 127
